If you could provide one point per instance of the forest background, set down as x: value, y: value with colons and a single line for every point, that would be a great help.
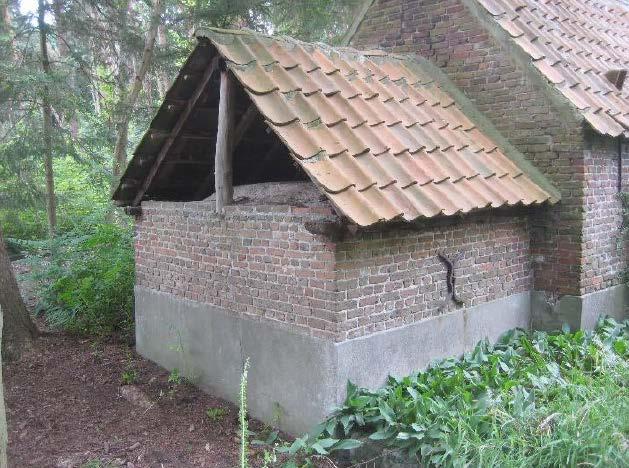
x: 79, y: 82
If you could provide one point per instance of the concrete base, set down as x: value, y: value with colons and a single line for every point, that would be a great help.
x: 550, y: 313
x: 296, y: 380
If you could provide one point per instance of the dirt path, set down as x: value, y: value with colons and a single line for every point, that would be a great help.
x: 65, y: 408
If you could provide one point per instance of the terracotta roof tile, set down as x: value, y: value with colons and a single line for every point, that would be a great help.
x: 574, y: 44
x: 380, y: 136
x: 374, y: 131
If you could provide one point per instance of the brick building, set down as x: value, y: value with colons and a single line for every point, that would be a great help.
x: 550, y: 76
x: 335, y: 214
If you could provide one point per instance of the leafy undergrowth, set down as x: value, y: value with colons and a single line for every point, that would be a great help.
x: 533, y: 399
x: 85, y: 279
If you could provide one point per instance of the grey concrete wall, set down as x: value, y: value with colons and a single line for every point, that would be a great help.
x: 368, y: 361
x: 550, y: 313
x: 296, y: 380
x: 292, y: 376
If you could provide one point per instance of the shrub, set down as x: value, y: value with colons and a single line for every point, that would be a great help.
x: 86, y: 280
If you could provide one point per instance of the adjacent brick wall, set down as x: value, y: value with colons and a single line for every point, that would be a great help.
x: 262, y: 262
x: 483, y: 62
x: 604, y: 249
x: 258, y: 262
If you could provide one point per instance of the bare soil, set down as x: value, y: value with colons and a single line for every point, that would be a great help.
x: 67, y: 407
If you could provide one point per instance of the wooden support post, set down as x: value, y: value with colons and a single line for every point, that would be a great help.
x: 239, y: 131
x: 223, y: 175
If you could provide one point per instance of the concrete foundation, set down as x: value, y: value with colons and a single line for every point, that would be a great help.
x: 296, y: 380
x: 549, y: 313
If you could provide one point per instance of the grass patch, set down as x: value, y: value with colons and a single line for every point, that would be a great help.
x: 532, y: 399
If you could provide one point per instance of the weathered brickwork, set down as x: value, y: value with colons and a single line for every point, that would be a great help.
x: 479, y: 58
x: 263, y: 262
x: 624, y: 147
x: 604, y: 249
x: 391, y: 277
x: 260, y: 262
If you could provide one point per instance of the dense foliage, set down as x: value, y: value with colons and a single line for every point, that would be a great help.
x: 95, y: 50
x: 86, y: 285
x: 533, y: 399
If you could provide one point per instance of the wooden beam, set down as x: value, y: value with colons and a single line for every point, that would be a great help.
x: 188, y: 162
x: 351, y: 31
x: 223, y: 167
x: 207, y: 75
x: 175, y: 105
x: 186, y: 136
x: 243, y: 125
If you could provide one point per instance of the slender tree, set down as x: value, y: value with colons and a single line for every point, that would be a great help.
x: 120, y: 150
x: 51, y: 202
x: 4, y: 436
x: 162, y: 78
x: 19, y: 330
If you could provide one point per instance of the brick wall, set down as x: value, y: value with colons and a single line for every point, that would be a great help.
x: 393, y: 276
x: 258, y: 262
x: 604, y: 249
x: 262, y: 262
x: 507, y: 90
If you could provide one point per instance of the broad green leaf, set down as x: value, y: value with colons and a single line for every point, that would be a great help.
x: 347, y: 444
x: 319, y: 449
x: 327, y: 443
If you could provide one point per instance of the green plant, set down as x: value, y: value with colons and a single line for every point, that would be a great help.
x: 174, y: 377
x: 129, y: 377
x: 242, y: 418
x: 86, y: 279
x: 533, y: 399
x: 215, y: 414
x: 94, y: 463
x: 270, y: 459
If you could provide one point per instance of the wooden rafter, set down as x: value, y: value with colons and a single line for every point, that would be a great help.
x: 243, y: 125
x: 207, y: 75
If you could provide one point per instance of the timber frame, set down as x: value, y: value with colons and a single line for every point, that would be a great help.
x: 206, y: 137
x: 178, y: 126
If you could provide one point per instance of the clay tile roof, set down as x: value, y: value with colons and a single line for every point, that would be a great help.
x: 376, y: 132
x: 581, y: 47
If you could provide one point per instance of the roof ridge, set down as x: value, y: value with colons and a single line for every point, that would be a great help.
x: 205, y: 32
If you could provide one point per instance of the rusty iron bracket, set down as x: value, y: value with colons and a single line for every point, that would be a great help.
x: 450, y: 277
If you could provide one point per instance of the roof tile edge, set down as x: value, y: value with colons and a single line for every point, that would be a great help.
x: 485, y: 125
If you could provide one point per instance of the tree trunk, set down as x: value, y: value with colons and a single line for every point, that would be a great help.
x: 8, y: 54
x: 120, y: 150
x: 7, y: 27
x: 162, y: 78
x: 19, y: 330
x: 122, y: 82
x: 4, y: 433
x: 51, y: 202
x: 63, y: 49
